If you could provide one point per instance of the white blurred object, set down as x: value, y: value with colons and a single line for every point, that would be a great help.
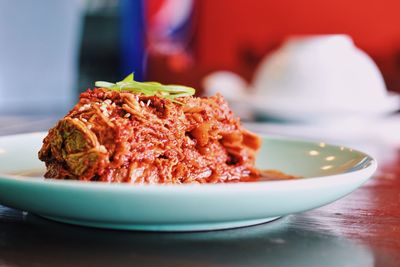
x: 227, y: 83
x: 233, y: 88
x: 322, y: 77
x: 38, y: 51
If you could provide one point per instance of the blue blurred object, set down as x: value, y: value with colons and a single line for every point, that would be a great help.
x: 39, y: 55
x: 133, y: 53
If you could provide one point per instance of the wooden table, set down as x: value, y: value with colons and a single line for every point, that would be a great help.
x: 362, y: 229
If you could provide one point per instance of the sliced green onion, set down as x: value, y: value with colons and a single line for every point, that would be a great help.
x: 129, y: 78
x: 104, y: 84
x: 171, y: 91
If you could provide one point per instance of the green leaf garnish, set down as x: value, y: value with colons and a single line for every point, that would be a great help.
x: 170, y: 91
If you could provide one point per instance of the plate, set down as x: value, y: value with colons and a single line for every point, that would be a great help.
x: 330, y: 172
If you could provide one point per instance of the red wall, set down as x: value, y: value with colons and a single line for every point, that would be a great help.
x: 236, y: 34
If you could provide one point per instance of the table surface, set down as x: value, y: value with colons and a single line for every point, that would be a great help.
x: 362, y: 229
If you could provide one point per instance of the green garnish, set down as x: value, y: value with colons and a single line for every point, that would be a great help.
x: 149, y: 88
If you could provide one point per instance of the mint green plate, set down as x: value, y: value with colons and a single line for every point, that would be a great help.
x: 330, y: 172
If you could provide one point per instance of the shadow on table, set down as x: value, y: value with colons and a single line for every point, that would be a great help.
x: 39, y: 242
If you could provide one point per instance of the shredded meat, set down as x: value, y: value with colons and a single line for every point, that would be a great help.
x: 116, y: 136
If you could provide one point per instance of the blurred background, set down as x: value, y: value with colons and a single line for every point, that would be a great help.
x: 267, y: 57
x: 182, y: 41
x: 52, y: 50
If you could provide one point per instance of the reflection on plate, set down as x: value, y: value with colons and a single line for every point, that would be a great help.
x: 329, y: 172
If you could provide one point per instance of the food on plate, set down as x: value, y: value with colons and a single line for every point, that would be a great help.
x: 149, y: 133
